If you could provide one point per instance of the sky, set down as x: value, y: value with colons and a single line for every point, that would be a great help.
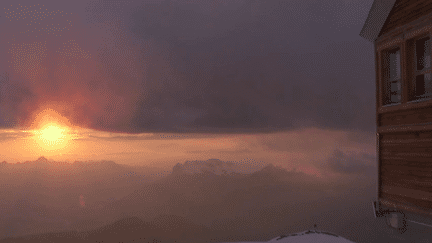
x: 163, y: 81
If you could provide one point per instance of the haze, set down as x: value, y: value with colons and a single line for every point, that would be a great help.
x: 278, y: 94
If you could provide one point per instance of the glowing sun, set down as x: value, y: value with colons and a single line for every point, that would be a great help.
x: 51, y: 131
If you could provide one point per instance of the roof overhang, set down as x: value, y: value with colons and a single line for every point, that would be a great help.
x: 375, y: 21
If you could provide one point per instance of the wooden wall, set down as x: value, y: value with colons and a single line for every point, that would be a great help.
x: 405, y: 117
x: 406, y: 168
x: 404, y: 12
x: 405, y: 153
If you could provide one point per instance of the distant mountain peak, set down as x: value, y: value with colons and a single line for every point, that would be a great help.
x: 42, y: 160
x: 272, y: 168
x: 108, y: 163
x: 178, y: 169
x: 213, y: 166
x: 276, y: 172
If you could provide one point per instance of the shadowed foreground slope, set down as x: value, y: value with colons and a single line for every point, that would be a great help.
x: 165, y: 228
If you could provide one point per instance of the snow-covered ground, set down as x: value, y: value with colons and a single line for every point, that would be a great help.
x: 309, y: 236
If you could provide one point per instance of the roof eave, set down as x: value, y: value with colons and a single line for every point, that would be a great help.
x: 375, y: 21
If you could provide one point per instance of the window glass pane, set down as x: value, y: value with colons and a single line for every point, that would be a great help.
x: 395, y: 69
x: 395, y: 98
x: 395, y: 92
x: 427, y: 61
x: 392, y: 82
x: 395, y: 87
x: 420, y: 86
x: 423, y: 53
x: 423, y: 86
x: 428, y: 84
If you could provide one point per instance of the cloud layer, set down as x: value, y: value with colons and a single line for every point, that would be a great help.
x: 189, y: 66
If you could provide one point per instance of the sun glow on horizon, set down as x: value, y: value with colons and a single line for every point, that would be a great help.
x: 52, y: 132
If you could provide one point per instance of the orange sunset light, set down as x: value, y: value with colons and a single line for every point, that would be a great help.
x: 52, y: 132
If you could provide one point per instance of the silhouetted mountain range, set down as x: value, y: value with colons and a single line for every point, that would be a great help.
x: 214, y: 166
x: 197, y: 202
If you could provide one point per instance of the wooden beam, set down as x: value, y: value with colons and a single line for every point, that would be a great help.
x: 397, y: 205
x: 406, y: 128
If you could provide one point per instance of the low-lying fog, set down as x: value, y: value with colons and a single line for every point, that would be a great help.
x: 194, y: 201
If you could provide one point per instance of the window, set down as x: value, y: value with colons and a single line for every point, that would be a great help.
x: 421, y: 82
x: 392, y: 77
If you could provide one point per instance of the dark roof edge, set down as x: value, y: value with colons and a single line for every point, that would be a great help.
x: 377, y: 16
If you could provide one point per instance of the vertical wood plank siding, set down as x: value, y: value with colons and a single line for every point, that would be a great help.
x: 404, y: 12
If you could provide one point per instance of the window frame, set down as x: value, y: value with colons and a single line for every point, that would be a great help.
x: 385, y: 69
x: 412, y: 70
x: 401, y: 38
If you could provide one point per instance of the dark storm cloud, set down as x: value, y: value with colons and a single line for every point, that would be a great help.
x: 239, y: 70
x: 227, y: 66
x: 12, y: 94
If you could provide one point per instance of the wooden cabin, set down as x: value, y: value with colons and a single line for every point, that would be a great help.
x: 401, y: 31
